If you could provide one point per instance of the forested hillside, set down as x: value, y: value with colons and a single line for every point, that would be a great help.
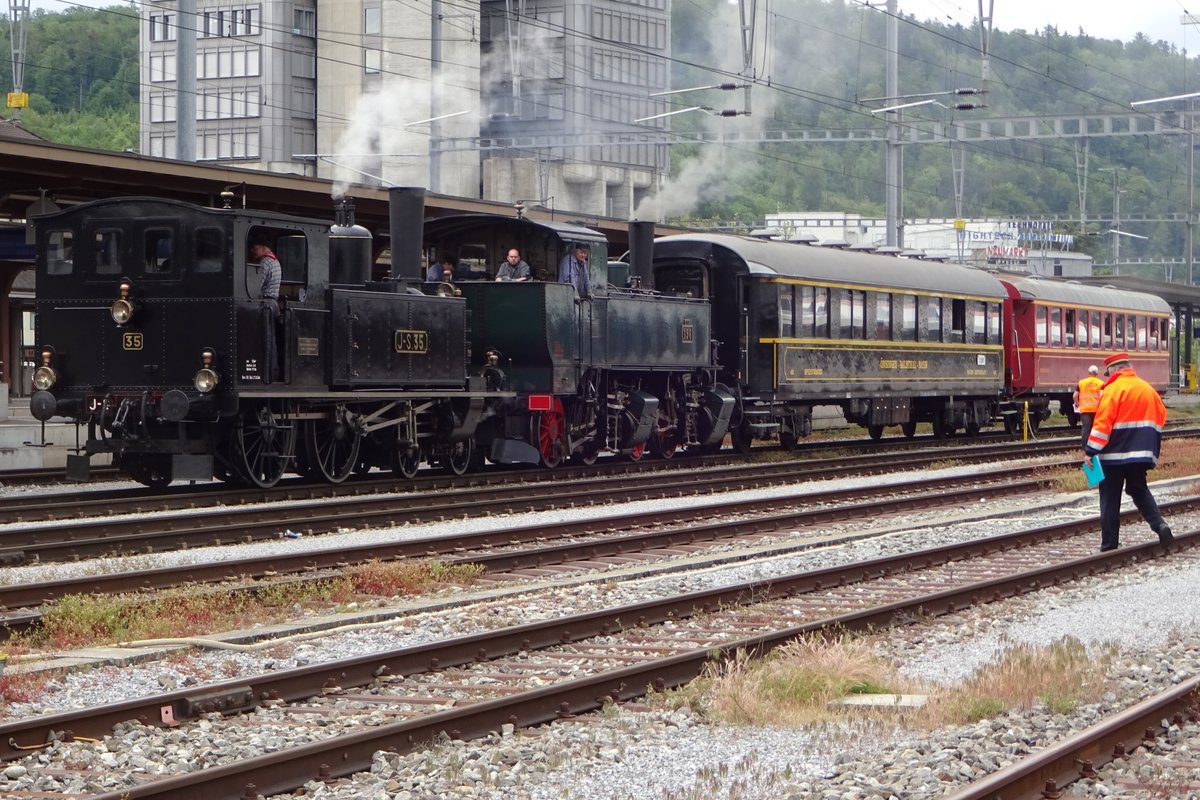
x: 81, y: 73
x: 818, y: 64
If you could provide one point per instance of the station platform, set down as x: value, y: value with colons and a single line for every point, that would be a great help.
x: 21, y: 439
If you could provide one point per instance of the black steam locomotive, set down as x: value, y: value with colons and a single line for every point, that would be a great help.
x: 152, y: 334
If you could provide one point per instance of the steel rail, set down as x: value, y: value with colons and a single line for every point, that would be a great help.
x: 1005, y: 481
x: 345, y: 755
x: 244, y: 694
x: 1046, y: 773
x: 57, y: 505
x: 98, y: 537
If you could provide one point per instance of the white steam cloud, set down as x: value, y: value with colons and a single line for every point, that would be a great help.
x: 718, y: 168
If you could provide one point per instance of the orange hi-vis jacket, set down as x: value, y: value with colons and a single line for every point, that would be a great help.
x: 1089, y: 394
x: 1129, y: 421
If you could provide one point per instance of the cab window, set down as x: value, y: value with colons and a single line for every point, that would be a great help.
x: 209, y: 248
x: 60, y: 251
x: 157, y: 247
x: 107, y: 252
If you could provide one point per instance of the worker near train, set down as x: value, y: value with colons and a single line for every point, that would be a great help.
x: 445, y: 270
x: 1086, y: 398
x: 1125, y: 436
x: 269, y: 268
x: 574, y: 270
x: 514, y: 268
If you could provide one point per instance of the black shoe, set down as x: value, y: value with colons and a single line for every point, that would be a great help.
x: 1164, y: 536
x: 1106, y: 548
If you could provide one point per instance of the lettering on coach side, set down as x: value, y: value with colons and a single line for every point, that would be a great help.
x: 132, y: 340
x: 903, y: 363
x: 412, y: 342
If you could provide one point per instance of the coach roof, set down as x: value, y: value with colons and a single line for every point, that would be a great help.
x: 830, y: 266
x: 1078, y: 294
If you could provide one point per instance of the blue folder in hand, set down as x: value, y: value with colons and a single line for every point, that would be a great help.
x: 1094, y: 473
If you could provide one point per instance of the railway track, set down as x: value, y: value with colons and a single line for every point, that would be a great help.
x: 570, y: 546
x: 536, y: 672
x: 1078, y: 757
x: 50, y: 505
x: 435, y: 499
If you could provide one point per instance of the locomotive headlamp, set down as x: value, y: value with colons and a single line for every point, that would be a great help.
x: 448, y: 290
x: 206, y: 378
x: 44, y: 376
x: 122, y: 309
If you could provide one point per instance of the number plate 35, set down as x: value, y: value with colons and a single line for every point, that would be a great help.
x: 132, y: 340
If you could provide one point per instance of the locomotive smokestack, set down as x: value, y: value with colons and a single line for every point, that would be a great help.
x: 641, y: 253
x: 406, y: 217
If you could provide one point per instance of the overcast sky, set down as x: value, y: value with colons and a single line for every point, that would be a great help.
x: 1103, y: 19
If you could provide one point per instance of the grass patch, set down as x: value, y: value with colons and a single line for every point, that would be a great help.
x: 1178, y: 458
x: 1061, y: 677
x: 388, y: 578
x: 796, y: 685
x: 88, y: 620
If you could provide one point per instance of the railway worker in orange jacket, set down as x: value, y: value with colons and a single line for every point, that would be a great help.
x: 1086, y: 398
x: 1125, y: 436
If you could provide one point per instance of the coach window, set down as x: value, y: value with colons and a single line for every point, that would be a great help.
x: 1040, y: 323
x: 821, y: 309
x: 1119, y: 339
x: 1069, y: 326
x: 935, y: 319
x: 883, y: 316
x: 1094, y: 326
x: 804, y: 298
x: 1081, y: 327
x: 852, y: 306
x: 994, y: 323
x: 785, y: 311
x: 208, y: 250
x: 156, y: 250
x: 60, y: 250
x: 1056, y: 331
x: 958, y: 320
x: 979, y: 323
x: 1108, y: 331
x: 908, y: 317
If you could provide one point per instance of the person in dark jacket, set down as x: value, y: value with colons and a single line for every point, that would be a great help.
x: 1125, y: 436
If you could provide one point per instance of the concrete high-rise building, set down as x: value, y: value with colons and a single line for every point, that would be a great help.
x: 533, y: 101
x: 256, y: 82
x: 563, y: 85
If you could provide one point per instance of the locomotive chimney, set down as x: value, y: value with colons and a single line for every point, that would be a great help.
x: 406, y: 217
x: 641, y: 253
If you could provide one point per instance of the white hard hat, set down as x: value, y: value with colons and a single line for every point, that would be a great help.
x: 1094, y: 370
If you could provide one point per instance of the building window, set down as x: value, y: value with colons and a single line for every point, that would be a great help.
x: 304, y: 64
x: 304, y: 22
x: 372, y: 61
x: 236, y: 62
x: 162, y: 67
x: 162, y: 27
x: 162, y: 106
x: 372, y: 21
